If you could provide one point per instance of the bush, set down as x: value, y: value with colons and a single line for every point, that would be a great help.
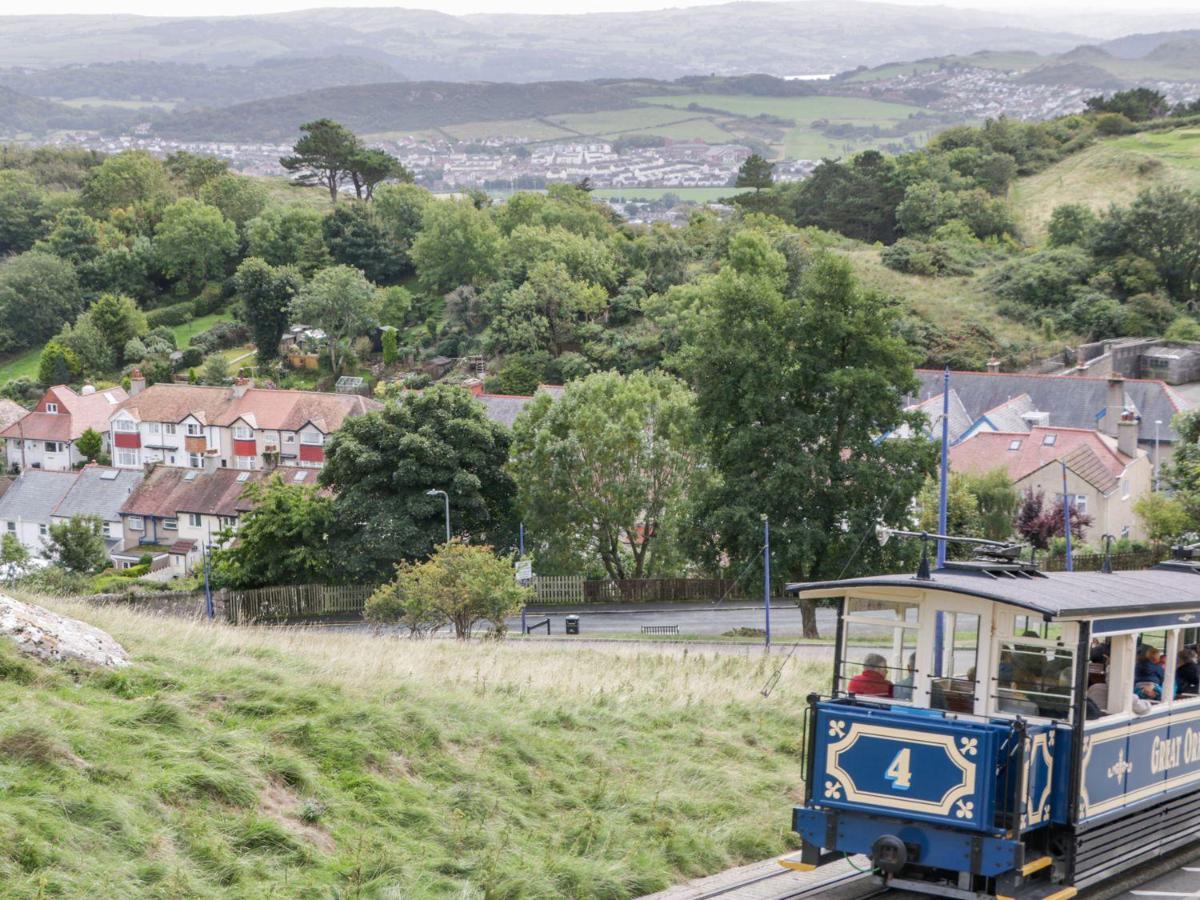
x: 936, y: 258
x: 221, y: 336
x: 210, y: 299
x: 1045, y: 278
x: 178, y: 314
x: 192, y: 357
x: 1113, y: 123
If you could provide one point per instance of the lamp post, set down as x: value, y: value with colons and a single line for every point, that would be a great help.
x: 1157, y: 422
x: 767, y: 577
x: 434, y: 492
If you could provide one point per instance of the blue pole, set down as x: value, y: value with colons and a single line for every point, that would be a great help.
x: 1067, y: 518
x: 767, y: 577
x: 521, y: 540
x: 943, y: 487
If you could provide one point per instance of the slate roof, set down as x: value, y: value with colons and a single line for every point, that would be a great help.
x: 1009, y: 415
x: 1058, y: 594
x: 1071, y: 400
x: 960, y: 421
x: 35, y: 494
x: 167, y: 491
x: 99, y: 491
x: 260, y: 407
x: 1087, y: 453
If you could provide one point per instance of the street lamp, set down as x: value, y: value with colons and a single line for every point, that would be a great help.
x: 434, y: 492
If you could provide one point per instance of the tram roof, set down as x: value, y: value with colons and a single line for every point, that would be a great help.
x: 1073, y: 595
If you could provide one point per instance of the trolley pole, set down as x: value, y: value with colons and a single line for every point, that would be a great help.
x: 208, y: 598
x: 767, y: 577
x: 943, y: 486
x: 1067, y: 518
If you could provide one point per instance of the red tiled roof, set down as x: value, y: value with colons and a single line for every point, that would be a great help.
x: 989, y: 450
x: 77, y: 413
x: 167, y: 491
x: 260, y: 407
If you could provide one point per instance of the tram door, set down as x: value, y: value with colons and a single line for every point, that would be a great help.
x: 957, y: 635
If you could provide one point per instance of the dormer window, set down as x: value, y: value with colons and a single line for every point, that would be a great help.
x: 124, y: 425
x: 242, y: 432
x: 51, y: 407
x: 193, y: 429
x: 312, y: 437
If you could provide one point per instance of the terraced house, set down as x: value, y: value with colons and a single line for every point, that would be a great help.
x: 45, y: 437
x: 240, y: 427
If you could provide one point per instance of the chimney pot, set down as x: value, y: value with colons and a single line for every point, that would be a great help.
x: 1127, y: 435
x: 993, y: 365
x: 137, y: 382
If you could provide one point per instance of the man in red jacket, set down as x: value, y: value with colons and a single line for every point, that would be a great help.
x: 872, y: 680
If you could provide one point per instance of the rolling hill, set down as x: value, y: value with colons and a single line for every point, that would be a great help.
x: 788, y: 38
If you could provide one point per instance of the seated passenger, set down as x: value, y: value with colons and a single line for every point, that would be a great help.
x: 903, y: 689
x: 1187, y: 675
x: 1148, y: 673
x: 872, y: 680
x: 1009, y: 699
x: 1098, y: 694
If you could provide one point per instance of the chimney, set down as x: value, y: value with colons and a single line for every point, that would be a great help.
x: 212, y: 460
x: 1035, y: 417
x: 137, y: 382
x: 1127, y: 435
x: 1114, y: 405
x: 240, y: 386
x: 474, y: 385
x: 993, y: 365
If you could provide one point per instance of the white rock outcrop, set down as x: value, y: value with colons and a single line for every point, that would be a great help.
x: 49, y: 636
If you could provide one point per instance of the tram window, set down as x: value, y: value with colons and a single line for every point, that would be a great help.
x: 1150, y: 667
x: 1033, y: 679
x: 879, y: 649
x: 954, y: 679
x: 1036, y: 626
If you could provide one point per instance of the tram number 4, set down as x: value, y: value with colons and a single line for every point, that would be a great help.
x: 899, y: 773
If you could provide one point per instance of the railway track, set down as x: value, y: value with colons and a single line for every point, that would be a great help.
x: 782, y: 885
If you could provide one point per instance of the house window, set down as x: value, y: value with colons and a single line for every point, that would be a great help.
x: 43, y: 529
x: 114, y: 529
x: 1014, y: 445
x: 195, y: 520
x: 242, y: 432
x: 289, y: 438
x: 1124, y: 488
x: 171, y: 524
x: 194, y: 460
x: 154, y: 428
x: 53, y: 446
x: 228, y: 521
x: 1048, y: 440
x: 1079, y: 502
x: 127, y: 458
x: 193, y: 429
x: 137, y: 523
x: 168, y: 428
x: 12, y: 527
x: 51, y: 407
x: 124, y: 425
x: 312, y: 437
x: 243, y: 462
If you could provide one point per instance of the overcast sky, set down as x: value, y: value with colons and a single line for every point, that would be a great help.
x: 236, y: 7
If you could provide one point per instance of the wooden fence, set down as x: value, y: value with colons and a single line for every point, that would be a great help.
x: 297, y: 603
x: 558, y: 588
x: 661, y: 590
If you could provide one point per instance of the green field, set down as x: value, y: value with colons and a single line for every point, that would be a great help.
x: 802, y: 140
x: 23, y: 365
x: 80, y: 102
x: 300, y: 763
x: 524, y: 129
x: 1112, y: 171
x: 612, y: 121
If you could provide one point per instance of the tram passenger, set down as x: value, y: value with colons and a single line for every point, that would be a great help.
x: 872, y: 681
x: 903, y: 689
x: 1148, y: 673
x: 1187, y: 675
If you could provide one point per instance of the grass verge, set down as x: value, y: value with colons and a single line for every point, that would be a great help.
x: 248, y: 763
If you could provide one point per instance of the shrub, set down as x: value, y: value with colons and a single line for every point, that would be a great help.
x: 221, y: 336
x: 1045, y: 278
x: 210, y: 299
x: 192, y: 357
x: 176, y: 314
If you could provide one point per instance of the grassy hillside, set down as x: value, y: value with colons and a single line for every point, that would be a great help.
x: 1112, y: 171
x: 254, y: 763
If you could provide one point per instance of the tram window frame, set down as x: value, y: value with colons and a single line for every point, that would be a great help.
x: 1029, y: 630
x: 905, y: 643
x: 1166, y: 641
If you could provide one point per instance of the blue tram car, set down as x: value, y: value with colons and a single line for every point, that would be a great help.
x: 998, y: 732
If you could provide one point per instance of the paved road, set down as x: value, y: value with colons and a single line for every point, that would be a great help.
x: 1183, y: 882
x: 692, y: 619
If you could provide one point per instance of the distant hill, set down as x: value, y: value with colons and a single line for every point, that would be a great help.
x: 194, y: 83
x: 410, y: 106
x: 786, y: 38
x: 24, y: 116
x: 1135, y: 46
x: 1073, y: 74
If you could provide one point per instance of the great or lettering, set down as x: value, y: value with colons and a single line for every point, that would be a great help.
x: 1167, y: 753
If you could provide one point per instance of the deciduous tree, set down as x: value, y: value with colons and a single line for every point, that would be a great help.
x: 78, y: 544
x: 458, y: 244
x: 267, y: 293
x: 341, y: 302
x: 194, y: 242
x: 605, y: 473
x: 382, y: 465
x: 793, y: 393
